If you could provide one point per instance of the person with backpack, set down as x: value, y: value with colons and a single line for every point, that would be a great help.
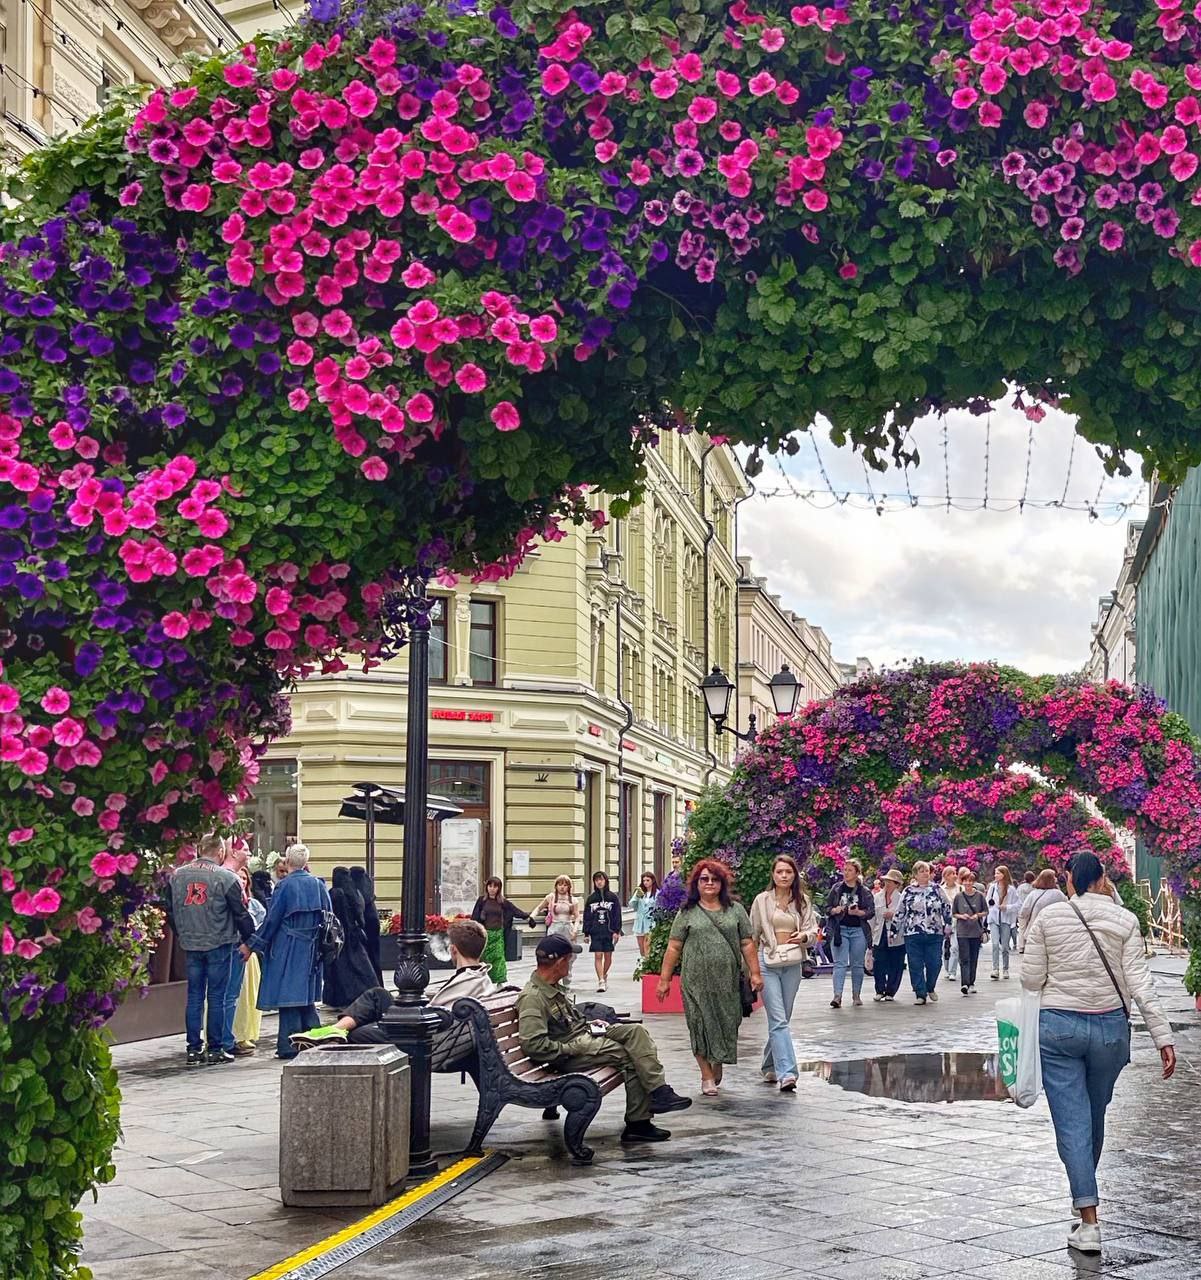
x: 289, y: 944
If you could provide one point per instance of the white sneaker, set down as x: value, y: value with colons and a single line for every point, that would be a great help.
x: 1085, y: 1237
x: 769, y: 1076
x: 996, y: 977
x: 972, y: 989
x: 878, y: 998
x: 932, y: 995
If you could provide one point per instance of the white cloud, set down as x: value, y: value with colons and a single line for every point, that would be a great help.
x: 1017, y: 587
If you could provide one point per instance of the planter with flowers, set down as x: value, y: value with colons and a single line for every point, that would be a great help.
x: 437, y: 949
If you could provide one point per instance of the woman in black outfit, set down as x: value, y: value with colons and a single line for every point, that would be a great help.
x: 602, y: 924
x: 352, y: 973
x: 362, y: 882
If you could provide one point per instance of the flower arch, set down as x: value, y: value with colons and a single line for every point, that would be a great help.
x: 919, y: 762
x: 383, y: 295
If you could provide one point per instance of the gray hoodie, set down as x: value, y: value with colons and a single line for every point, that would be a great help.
x: 205, y: 907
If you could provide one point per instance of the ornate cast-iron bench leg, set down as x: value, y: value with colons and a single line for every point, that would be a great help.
x: 485, y: 1118
x: 581, y: 1106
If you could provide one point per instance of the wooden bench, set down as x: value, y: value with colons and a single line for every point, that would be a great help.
x: 503, y: 1074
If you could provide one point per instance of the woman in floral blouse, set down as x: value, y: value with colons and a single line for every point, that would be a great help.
x: 924, y: 917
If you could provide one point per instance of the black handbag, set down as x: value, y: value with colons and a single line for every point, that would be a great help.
x: 330, y: 938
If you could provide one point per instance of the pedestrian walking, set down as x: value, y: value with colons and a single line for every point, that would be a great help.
x: 560, y: 909
x: 602, y: 924
x: 643, y: 906
x: 206, y: 912
x: 287, y: 945
x: 849, y: 908
x: 888, y: 939
x: 366, y: 887
x: 970, y: 910
x: 351, y: 972
x: 1086, y: 960
x: 783, y: 925
x: 498, y: 916
x: 950, y: 948
x: 1003, y: 907
x: 552, y: 1030
x: 1044, y: 893
x: 923, y: 918
x: 247, y: 1020
x: 710, y: 943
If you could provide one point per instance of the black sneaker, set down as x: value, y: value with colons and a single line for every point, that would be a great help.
x: 219, y: 1055
x: 964, y: 990
x: 643, y: 1131
x: 196, y: 1058
x: 665, y: 1098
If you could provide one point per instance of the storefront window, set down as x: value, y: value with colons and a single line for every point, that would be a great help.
x: 268, y: 818
x: 464, y: 782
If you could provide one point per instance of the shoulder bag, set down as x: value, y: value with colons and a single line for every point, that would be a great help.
x: 787, y: 954
x: 330, y: 938
x: 745, y: 995
x: 1104, y: 961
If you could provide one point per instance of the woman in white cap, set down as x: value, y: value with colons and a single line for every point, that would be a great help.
x: 888, y: 942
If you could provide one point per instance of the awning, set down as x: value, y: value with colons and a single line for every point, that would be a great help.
x: 388, y: 805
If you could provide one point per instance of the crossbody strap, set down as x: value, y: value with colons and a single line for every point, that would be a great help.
x: 1104, y: 961
x: 733, y: 945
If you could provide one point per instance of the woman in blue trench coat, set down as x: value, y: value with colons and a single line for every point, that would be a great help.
x: 287, y: 945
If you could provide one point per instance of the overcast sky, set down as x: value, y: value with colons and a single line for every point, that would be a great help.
x: 975, y: 584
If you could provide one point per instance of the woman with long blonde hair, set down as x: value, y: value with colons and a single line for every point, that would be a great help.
x: 561, y: 909
x: 1003, y: 908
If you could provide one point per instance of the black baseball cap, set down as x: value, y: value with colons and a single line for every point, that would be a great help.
x: 554, y: 947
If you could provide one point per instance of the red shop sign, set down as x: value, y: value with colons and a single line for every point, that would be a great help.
x: 452, y: 713
x: 595, y: 730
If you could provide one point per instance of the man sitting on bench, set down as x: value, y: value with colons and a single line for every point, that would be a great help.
x: 553, y: 1031
x: 360, y: 1024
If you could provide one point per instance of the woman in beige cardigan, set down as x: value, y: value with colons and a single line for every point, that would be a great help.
x: 783, y: 925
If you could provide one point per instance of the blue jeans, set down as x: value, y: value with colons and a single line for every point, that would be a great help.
x: 208, y: 977
x: 924, y: 952
x: 779, y: 992
x: 1082, y: 1056
x: 1001, y: 934
x: 294, y: 1018
x: 237, y: 971
x: 849, y: 952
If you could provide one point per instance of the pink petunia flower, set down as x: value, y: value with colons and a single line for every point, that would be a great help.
x: 505, y: 416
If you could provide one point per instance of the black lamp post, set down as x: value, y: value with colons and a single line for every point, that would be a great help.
x: 410, y: 1022
x: 717, y: 691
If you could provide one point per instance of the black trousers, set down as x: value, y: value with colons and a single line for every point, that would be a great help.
x: 451, y: 1047
x: 888, y: 965
x: 969, y: 957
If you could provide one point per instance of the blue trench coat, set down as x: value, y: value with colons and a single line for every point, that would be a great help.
x: 287, y: 942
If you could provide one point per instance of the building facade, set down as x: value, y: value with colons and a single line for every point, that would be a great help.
x: 63, y: 58
x: 566, y: 718
x: 770, y: 635
x: 1111, y: 653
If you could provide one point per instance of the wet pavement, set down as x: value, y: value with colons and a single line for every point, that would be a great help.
x: 893, y: 1160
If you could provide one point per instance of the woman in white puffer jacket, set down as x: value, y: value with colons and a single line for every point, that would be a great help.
x: 1084, y: 1023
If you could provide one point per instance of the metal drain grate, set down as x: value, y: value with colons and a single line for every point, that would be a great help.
x: 410, y: 1208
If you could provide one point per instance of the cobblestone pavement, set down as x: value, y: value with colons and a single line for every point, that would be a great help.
x: 829, y: 1182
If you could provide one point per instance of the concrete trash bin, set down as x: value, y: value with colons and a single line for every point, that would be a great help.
x: 344, y: 1126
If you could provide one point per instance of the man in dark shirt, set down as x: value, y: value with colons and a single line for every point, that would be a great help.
x: 207, y: 914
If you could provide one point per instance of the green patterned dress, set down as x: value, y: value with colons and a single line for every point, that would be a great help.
x: 709, y: 968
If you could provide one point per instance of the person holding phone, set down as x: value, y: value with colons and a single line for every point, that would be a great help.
x: 970, y: 909
x: 849, y: 908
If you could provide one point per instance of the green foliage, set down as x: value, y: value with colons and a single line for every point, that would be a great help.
x: 58, y: 1126
x: 1134, y: 901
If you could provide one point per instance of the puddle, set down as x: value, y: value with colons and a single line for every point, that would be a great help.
x: 917, y: 1077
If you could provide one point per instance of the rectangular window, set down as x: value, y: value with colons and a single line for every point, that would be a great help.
x: 438, y: 654
x: 483, y: 642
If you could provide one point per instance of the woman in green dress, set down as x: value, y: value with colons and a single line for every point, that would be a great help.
x: 711, y: 940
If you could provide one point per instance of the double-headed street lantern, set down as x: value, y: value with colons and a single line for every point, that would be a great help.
x: 717, y: 690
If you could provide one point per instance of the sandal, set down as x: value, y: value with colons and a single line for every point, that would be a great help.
x: 709, y: 1088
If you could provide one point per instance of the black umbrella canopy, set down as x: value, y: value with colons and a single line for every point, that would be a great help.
x: 388, y: 805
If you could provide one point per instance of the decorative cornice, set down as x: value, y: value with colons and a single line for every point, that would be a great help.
x: 186, y: 26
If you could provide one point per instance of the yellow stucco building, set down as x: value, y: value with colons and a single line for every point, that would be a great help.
x: 565, y: 716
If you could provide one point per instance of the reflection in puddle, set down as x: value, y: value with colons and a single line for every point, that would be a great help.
x: 917, y: 1077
